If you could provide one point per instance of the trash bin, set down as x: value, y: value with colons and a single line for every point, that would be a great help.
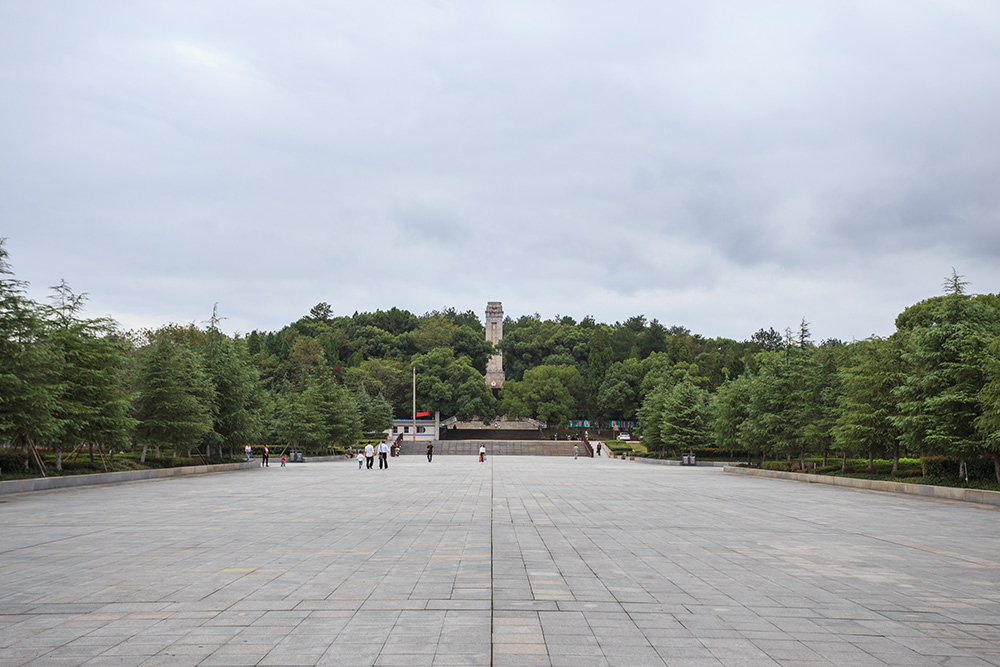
x: 691, y: 459
x: 684, y: 459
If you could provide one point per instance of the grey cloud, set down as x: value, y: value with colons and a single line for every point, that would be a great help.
x: 723, y: 163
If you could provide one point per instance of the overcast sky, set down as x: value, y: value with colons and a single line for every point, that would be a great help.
x: 723, y: 166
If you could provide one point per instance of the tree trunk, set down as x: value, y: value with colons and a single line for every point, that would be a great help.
x: 871, y: 460
x: 142, y: 459
x: 895, y: 458
x: 843, y: 462
x: 996, y: 465
x: 90, y: 446
x: 824, y: 456
x: 59, y: 457
x: 802, y: 459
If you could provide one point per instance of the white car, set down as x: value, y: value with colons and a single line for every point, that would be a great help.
x: 624, y: 436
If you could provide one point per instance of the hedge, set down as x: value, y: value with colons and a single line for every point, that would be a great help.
x: 943, y: 467
x: 12, y: 459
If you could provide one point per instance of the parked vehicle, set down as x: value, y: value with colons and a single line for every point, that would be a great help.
x: 624, y: 436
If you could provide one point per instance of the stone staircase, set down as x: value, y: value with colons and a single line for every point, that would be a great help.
x: 470, y: 448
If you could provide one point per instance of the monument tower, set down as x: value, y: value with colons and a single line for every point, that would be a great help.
x: 494, y: 334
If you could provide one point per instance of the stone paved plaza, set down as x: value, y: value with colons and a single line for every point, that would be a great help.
x: 518, y: 561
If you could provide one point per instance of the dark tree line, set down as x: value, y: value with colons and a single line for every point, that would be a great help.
x: 67, y: 381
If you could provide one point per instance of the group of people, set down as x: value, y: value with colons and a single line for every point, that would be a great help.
x: 265, y: 456
x: 367, y: 457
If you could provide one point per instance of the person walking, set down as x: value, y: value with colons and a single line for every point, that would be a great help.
x: 265, y: 457
x: 430, y: 451
x: 361, y: 460
x: 598, y: 449
x: 383, y: 455
x: 247, y: 450
x: 370, y: 455
x: 482, y: 452
x: 576, y: 450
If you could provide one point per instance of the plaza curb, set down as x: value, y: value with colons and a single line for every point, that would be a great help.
x: 48, y: 483
x: 980, y: 496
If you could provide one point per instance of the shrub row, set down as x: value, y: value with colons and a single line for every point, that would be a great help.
x: 12, y: 459
x: 943, y: 467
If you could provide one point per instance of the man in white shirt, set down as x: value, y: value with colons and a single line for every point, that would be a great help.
x: 383, y: 455
x: 369, y: 455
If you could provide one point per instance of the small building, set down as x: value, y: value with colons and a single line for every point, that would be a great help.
x: 423, y: 430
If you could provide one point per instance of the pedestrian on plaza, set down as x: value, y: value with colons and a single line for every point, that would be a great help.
x: 247, y: 451
x: 370, y: 455
x: 430, y: 451
x: 598, y: 449
x: 576, y: 451
x: 264, y: 457
x: 282, y: 460
x: 383, y: 455
x: 482, y: 452
x: 361, y: 459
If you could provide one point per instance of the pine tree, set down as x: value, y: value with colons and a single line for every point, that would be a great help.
x: 988, y: 422
x: 684, y: 424
x: 238, y: 417
x: 91, y: 405
x: 176, y: 400
x: 939, y: 402
x: 867, y: 406
x: 650, y: 417
x: 26, y: 401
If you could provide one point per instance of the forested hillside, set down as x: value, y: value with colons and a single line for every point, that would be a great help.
x: 67, y: 381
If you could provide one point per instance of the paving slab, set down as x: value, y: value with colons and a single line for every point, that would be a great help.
x: 517, y: 561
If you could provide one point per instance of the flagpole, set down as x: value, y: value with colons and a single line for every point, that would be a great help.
x: 414, y: 403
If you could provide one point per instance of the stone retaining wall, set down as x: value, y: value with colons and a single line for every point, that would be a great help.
x: 946, y: 492
x: 45, y: 483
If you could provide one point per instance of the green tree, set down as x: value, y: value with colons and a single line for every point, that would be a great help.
x: 176, y: 399
x: 988, y: 421
x: 867, y: 402
x: 374, y: 411
x: 939, y: 401
x: 730, y: 413
x: 620, y: 396
x: 650, y: 416
x: 549, y: 393
x: 238, y: 407
x: 451, y: 385
x: 684, y: 420
x: 382, y: 377
x: 87, y: 377
x: 26, y: 400
x: 300, y: 417
x: 599, y: 361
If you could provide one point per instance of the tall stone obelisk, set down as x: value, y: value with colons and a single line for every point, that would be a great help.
x: 494, y: 334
